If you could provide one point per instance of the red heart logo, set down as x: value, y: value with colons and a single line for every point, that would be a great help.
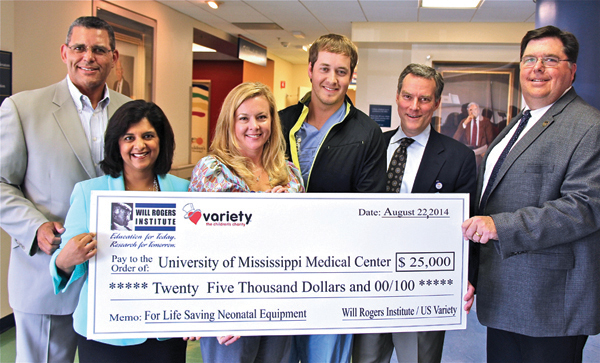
x: 195, y: 217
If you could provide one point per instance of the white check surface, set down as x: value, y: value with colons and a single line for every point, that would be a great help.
x: 210, y: 264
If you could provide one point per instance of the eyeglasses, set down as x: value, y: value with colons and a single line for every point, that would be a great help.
x: 97, y: 50
x: 550, y: 62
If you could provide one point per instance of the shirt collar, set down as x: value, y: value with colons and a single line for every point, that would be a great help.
x: 420, y: 139
x: 337, y: 117
x: 80, y: 99
x: 537, y: 113
x: 545, y: 108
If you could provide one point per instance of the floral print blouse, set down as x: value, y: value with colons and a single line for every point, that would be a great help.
x: 211, y: 175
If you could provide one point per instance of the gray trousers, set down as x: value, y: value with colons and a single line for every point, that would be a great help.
x: 44, y: 338
x: 421, y: 347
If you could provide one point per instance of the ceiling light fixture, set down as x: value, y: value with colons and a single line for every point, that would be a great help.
x: 451, y: 4
x: 213, y: 4
x: 298, y: 34
x: 197, y: 48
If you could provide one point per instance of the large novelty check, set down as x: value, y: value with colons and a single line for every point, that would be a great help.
x: 210, y: 264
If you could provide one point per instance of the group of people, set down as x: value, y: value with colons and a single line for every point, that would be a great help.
x: 534, y: 254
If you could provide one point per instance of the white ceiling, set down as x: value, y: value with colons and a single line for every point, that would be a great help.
x: 317, y: 17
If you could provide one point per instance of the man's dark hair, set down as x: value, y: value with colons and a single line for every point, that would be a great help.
x: 129, y: 114
x: 92, y: 22
x: 423, y: 71
x: 570, y: 43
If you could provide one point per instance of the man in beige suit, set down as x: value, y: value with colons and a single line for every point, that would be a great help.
x: 52, y: 138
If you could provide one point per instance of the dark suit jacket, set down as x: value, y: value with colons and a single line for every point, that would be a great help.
x: 452, y: 164
x: 542, y: 277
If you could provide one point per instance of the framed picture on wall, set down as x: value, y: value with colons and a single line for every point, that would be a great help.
x: 5, y: 75
x: 485, y: 92
x: 135, y: 36
x: 493, y: 86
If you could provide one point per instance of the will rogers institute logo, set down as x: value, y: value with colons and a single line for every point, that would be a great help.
x: 143, y: 216
x: 227, y: 218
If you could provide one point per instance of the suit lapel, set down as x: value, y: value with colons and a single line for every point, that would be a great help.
x: 387, y: 136
x: 112, y: 104
x: 70, y: 125
x: 116, y: 183
x: 540, y: 127
x: 431, y: 163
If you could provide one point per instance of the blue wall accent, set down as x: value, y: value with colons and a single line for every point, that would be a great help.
x: 582, y: 18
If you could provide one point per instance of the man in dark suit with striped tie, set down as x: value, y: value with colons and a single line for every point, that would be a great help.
x: 421, y: 160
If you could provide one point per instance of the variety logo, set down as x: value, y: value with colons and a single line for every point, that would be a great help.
x: 227, y: 218
x: 191, y: 213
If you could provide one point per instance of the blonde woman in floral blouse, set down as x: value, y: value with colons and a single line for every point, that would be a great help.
x: 247, y: 155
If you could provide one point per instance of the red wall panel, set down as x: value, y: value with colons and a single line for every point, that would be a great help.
x: 224, y: 76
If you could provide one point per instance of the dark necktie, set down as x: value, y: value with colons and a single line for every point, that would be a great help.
x: 473, y: 132
x: 397, y: 165
x: 494, y: 174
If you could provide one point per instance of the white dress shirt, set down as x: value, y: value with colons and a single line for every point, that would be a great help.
x: 94, y: 122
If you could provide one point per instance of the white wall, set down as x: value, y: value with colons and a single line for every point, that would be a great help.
x: 465, y: 53
x: 377, y: 78
x: 281, y: 72
x: 295, y: 76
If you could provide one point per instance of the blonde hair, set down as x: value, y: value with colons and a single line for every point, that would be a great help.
x: 225, y: 145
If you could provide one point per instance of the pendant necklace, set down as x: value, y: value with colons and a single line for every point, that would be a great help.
x: 154, y: 188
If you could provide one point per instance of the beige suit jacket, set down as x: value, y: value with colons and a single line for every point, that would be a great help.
x: 43, y: 153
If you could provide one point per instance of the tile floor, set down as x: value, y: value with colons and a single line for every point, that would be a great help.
x: 7, y: 349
